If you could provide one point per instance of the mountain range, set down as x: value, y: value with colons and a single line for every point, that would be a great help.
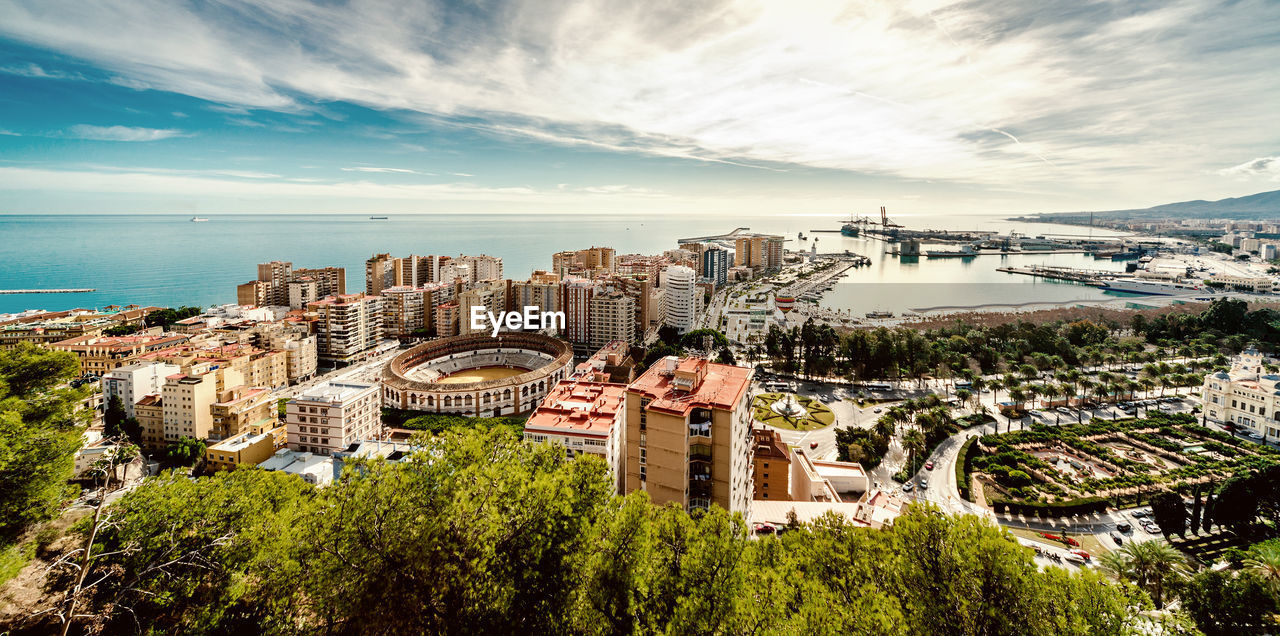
x: 1263, y: 205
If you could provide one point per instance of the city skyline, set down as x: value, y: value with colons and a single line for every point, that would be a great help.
x: 718, y: 108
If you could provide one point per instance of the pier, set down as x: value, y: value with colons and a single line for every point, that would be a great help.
x: 83, y: 290
x: 810, y: 288
x: 1088, y: 276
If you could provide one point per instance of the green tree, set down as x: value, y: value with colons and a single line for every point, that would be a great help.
x: 40, y: 425
x: 113, y: 417
x: 1154, y: 566
x: 1225, y: 602
x: 1169, y: 512
x: 186, y: 451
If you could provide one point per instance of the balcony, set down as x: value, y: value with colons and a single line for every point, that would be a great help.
x: 700, y: 429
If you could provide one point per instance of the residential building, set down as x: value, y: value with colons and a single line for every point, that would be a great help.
x: 758, y: 251
x: 332, y: 415
x: 611, y: 363
x: 448, y: 320
x: 242, y: 408
x: 682, y: 297
x: 348, y: 327
x: 715, y: 265
x: 53, y: 327
x: 187, y: 398
x: 379, y: 273
x: 588, y: 263
x: 612, y: 318
x: 149, y: 412
x: 249, y: 448
x: 313, y: 468
x: 135, y: 381
x: 575, y: 302
x: 490, y: 296
x: 583, y: 417
x: 688, y: 435
x: 100, y: 354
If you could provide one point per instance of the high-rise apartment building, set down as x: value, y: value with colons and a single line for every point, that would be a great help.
x: 587, y: 263
x: 379, y: 273
x: 490, y: 296
x: 759, y: 251
x: 273, y: 285
x: 688, y: 435
x: 332, y: 415
x: 407, y: 311
x: 276, y: 275
x: 715, y: 265
x: 576, y: 295
x: 682, y: 297
x: 448, y: 319
x: 347, y: 327
x: 612, y: 318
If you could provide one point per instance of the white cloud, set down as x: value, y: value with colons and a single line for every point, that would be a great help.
x: 121, y: 133
x: 461, y: 174
x: 9, y: 133
x: 37, y: 71
x: 1268, y: 167
x: 377, y: 169
x: 1002, y: 93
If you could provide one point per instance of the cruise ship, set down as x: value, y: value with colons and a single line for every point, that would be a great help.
x: 198, y: 219
x: 1146, y: 287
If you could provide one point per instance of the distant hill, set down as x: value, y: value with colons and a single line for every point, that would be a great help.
x: 1264, y: 205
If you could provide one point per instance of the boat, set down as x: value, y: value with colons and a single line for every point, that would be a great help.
x: 1146, y: 287
x: 849, y: 229
x: 378, y: 218
x: 198, y: 219
x: 879, y: 314
x: 965, y: 251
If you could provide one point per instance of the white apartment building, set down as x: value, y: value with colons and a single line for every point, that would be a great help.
x: 133, y: 382
x: 682, y: 297
x: 330, y: 416
x: 1245, y: 397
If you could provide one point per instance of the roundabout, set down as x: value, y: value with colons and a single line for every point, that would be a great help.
x: 791, y: 412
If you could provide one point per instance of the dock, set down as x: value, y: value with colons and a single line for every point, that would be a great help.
x: 84, y: 290
x: 1087, y: 276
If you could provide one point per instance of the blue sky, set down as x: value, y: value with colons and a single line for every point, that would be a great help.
x: 715, y: 107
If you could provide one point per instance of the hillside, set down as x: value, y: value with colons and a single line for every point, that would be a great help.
x: 1263, y: 205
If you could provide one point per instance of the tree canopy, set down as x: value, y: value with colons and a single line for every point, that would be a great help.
x: 481, y: 533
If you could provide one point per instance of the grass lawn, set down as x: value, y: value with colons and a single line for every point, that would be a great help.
x: 818, y: 415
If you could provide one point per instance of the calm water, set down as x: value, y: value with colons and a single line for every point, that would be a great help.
x: 168, y: 260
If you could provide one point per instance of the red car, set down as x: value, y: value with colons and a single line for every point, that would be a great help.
x: 813, y: 445
x: 928, y: 465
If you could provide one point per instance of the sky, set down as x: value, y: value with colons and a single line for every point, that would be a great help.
x: 610, y: 106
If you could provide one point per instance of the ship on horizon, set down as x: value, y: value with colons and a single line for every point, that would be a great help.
x: 378, y: 218
x: 198, y: 219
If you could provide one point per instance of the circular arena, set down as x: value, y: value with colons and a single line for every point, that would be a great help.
x: 477, y: 374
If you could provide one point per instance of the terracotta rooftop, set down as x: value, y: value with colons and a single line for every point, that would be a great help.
x: 676, y: 386
x: 579, y: 407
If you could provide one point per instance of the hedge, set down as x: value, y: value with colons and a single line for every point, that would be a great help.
x: 1081, y: 506
x: 963, y: 468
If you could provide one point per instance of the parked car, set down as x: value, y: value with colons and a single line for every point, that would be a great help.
x: 876, y: 410
x: 924, y: 483
x: 1255, y: 435
x: 1115, y: 537
x: 928, y: 465
x: 1138, y: 514
x: 813, y: 445
x: 907, y: 487
x: 1124, y: 527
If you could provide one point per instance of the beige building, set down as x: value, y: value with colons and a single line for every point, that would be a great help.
x: 250, y: 448
x: 241, y: 409
x: 149, y: 412
x: 100, y: 354
x: 448, y: 319
x: 688, y: 435
x: 135, y: 381
x: 588, y: 263
x: 187, y: 399
x: 278, y: 284
x: 330, y: 416
x: 348, y: 327
x: 583, y: 417
x: 409, y: 310
x: 761, y: 251
x: 379, y: 273
x: 491, y: 296
x: 612, y: 318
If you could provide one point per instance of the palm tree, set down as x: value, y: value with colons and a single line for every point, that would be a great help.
x: 1265, y: 562
x: 886, y: 426
x: 1151, y: 565
x: 913, y: 443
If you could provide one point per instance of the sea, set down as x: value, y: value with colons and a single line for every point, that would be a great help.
x: 168, y: 260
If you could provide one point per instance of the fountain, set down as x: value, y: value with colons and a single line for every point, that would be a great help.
x: 789, y: 407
